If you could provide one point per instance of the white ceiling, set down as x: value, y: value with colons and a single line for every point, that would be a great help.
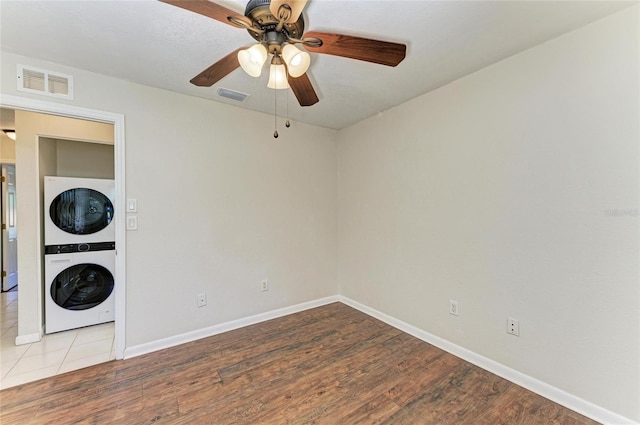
x: 160, y: 45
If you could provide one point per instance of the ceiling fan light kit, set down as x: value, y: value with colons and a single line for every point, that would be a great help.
x: 277, y: 25
x: 277, y: 74
x: 297, y: 61
x: 252, y: 59
x: 11, y: 134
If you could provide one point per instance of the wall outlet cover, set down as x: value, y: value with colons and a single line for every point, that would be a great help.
x: 453, y: 308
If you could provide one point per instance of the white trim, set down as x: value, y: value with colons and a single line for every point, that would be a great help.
x: 35, y: 105
x: 172, y: 341
x: 29, y: 338
x: 557, y: 395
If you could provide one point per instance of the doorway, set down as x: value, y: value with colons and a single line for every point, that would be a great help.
x: 27, y: 333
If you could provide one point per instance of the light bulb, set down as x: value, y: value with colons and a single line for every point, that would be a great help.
x: 11, y: 134
x: 297, y: 60
x: 252, y: 59
x: 278, y: 77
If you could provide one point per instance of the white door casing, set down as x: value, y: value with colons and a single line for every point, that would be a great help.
x: 52, y: 108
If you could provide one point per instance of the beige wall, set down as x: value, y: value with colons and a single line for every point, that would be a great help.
x: 514, y: 191
x: 81, y: 159
x: 7, y: 146
x: 221, y: 206
x: 7, y: 149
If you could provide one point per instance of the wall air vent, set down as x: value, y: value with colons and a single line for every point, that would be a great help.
x: 47, y: 83
x: 232, y: 94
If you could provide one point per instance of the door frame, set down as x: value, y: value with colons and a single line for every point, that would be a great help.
x: 5, y: 247
x: 52, y: 108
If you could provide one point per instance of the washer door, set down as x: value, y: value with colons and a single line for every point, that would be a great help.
x: 81, y: 211
x: 82, y: 286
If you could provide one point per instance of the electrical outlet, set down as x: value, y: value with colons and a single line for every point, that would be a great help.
x: 202, y: 300
x: 453, y: 307
x: 513, y: 327
x: 264, y: 285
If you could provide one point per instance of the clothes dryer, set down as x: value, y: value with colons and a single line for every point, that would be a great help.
x: 79, y: 285
x: 78, y: 210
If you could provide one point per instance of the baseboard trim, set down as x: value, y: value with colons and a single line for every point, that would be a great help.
x: 554, y: 394
x: 161, y: 344
x: 29, y: 338
x: 557, y: 395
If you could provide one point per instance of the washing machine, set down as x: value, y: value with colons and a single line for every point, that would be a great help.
x: 79, y: 285
x: 78, y: 210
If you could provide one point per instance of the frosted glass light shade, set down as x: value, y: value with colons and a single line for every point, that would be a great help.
x: 252, y: 59
x: 278, y: 77
x: 297, y: 61
x: 11, y: 134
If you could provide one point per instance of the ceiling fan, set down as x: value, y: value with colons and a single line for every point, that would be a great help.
x: 277, y: 26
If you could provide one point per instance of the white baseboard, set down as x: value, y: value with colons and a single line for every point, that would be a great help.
x: 557, y: 395
x: 29, y: 338
x: 161, y: 344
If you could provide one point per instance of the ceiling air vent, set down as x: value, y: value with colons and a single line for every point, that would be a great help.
x: 232, y: 94
x: 47, y: 83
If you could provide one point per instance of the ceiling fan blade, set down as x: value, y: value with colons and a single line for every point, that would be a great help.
x: 296, y: 7
x: 218, y: 70
x: 364, y: 49
x: 210, y: 10
x: 303, y: 90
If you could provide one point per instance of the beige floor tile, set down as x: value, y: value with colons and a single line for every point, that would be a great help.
x: 12, y: 352
x: 8, y: 314
x: 95, y: 333
x: 49, y: 344
x: 9, y: 334
x: 90, y: 349
x: 34, y: 375
x: 8, y: 317
x: 56, y: 353
x: 70, y: 334
x: 69, y: 365
x: 6, y: 324
x: 6, y: 366
x: 32, y: 363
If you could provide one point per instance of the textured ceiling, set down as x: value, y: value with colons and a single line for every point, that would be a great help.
x: 163, y: 46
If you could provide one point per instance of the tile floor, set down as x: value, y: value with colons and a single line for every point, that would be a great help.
x: 54, y: 354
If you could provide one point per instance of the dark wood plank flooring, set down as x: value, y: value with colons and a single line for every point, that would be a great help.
x: 328, y: 365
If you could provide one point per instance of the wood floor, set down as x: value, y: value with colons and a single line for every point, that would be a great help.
x: 329, y: 365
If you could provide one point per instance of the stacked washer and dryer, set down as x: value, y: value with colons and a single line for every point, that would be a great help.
x: 79, y: 237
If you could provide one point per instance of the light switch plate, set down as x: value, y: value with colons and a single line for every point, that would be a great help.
x: 132, y: 205
x: 132, y: 222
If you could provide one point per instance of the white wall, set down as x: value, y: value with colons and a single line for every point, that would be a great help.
x: 221, y: 205
x: 515, y: 192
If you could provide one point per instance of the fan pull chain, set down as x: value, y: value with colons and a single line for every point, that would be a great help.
x: 287, y: 123
x: 275, y: 112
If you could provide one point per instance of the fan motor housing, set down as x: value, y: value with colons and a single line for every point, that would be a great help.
x: 259, y: 13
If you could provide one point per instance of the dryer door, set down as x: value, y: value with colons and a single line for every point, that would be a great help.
x: 81, y: 211
x: 82, y: 286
